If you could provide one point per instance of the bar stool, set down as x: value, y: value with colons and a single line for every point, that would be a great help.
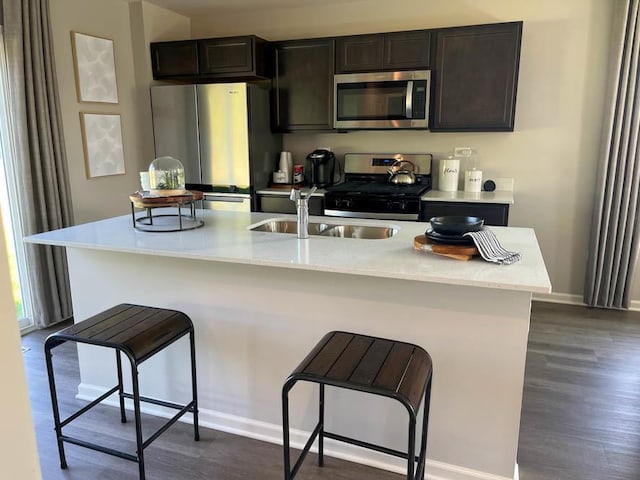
x: 139, y: 332
x: 397, y: 370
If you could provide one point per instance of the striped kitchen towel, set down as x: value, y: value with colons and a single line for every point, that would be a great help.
x: 490, y: 248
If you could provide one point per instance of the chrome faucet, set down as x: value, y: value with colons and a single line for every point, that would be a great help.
x: 302, y: 210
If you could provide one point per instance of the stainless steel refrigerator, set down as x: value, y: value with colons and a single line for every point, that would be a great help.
x: 221, y: 134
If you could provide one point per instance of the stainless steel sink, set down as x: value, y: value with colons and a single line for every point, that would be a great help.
x: 369, y: 232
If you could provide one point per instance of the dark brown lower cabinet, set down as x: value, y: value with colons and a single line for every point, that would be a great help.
x: 493, y: 213
x: 303, y: 85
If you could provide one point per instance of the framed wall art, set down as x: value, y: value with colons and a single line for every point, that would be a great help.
x: 95, y: 69
x: 102, y: 140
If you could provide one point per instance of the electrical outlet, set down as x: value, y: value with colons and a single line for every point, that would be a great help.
x: 504, y: 184
x: 462, y: 152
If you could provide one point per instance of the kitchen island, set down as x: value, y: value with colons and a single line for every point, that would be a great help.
x: 260, y: 301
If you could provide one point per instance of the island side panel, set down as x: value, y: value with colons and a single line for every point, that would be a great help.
x: 255, y: 324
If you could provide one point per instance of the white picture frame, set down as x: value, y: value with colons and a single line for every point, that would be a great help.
x: 95, y: 69
x: 102, y: 141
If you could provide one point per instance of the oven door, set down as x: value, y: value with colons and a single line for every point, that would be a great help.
x: 381, y: 100
x: 382, y: 207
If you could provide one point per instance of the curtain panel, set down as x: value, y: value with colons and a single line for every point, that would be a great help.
x: 40, y: 164
x: 615, y: 226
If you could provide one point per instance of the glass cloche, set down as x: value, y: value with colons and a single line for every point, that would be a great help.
x: 166, y: 177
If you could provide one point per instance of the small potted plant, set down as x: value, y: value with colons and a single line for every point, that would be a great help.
x: 166, y: 177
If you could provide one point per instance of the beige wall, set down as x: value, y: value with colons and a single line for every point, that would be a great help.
x: 553, y: 153
x: 131, y: 27
x: 18, y: 454
x: 99, y: 197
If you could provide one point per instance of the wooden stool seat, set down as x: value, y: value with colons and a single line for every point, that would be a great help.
x: 138, y: 332
x: 379, y: 366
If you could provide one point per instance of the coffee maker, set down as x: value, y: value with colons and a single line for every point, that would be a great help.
x: 321, y: 165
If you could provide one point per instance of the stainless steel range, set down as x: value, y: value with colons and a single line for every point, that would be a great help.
x: 369, y: 192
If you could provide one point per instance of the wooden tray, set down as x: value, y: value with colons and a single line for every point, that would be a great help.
x: 459, y: 252
x: 149, y: 202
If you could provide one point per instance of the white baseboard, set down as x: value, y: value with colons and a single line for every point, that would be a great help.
x: 272, y: 433
x: 566, y: 298
x: 570, y: 299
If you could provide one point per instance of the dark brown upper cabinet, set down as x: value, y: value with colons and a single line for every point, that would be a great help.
x: 475, y: 77
x: 383, y: 52
x: 303, y: 85
x: 174, y: 59
x: 207, y: 60
x: 233, y: 56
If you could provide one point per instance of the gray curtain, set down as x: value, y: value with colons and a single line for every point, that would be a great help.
x: 615, y: 228
x: 40, y: 164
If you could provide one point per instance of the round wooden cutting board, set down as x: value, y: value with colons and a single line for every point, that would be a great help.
x: 459, y: 252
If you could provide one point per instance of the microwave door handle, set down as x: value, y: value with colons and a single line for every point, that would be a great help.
x: 409, y: 100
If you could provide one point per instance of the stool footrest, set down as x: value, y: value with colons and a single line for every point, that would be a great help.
x: 187, y: 408
x: 88, y: 407
x: 305, y: 450
x: 99, y: 448
x: 372, y: 446
x: 155, y: 401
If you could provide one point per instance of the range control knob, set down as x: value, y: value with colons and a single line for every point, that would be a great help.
x: 396, y: 205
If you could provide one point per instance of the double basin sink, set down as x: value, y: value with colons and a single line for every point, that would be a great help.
x: 322, y: 229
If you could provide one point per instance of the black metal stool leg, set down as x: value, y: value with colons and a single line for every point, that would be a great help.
x: 411, y: 453
x: 285, y: 431
x: 138, y: 417
x: 423, y: 437
x: 123, y: 416
x: 54, y: 404
x: 321, y: 424
x: 194, y: 388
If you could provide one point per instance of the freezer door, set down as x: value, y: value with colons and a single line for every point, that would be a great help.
x: 175, y: 126
x: 228, y: 203
x: 224, y: 134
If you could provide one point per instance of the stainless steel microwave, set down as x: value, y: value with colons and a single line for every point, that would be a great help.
x: 381, y: 100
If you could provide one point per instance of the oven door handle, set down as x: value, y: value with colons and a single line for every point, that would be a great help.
x: 372, y: 215
x: 409, y: 100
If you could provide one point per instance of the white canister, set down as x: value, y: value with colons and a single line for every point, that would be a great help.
x: 473, y: 180
x: 449, y: 171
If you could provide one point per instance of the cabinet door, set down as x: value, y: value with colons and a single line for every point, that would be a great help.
x: 476, y: 75
x: 303, y: 85
x: 406, y: 50
x: 226, y: 55
x: 359, y: 53
x: 493, y: 213
x: 173, y: 59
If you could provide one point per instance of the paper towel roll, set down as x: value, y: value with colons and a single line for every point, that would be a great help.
x: 286, y: 165
x: 449, y: 171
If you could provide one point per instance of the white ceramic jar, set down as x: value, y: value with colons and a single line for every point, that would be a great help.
x: 448, y: 174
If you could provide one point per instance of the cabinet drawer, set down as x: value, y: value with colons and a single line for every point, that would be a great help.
x: 282, y: 204
x: 493, y: 213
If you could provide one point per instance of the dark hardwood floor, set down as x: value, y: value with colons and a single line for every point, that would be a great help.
x: 580, y: 417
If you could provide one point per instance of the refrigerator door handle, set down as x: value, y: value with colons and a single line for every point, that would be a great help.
x: 221, y: 198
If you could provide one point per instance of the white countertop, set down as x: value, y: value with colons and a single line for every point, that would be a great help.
x: 225, y: 237
x: 498, y: 196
